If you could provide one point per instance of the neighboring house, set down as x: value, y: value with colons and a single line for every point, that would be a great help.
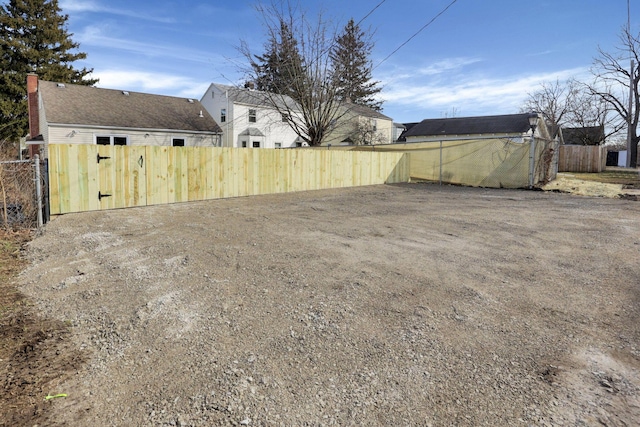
x: 590, y: 135
x: 398, y: 130
x: 247, y: 120
x: 406, y: 128
x: 514, y: 127
x: 75, y: 114
x: 361, y: 125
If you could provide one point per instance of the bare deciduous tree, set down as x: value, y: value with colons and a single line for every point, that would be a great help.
x: 299, y: 48
x: 364, y: 132
x: 615, y: 81
x: 571, y: 103
x: 552, y: 100
x: 310, y: 103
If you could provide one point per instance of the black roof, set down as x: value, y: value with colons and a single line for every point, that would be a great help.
x: 590, y: 135
x: 509, y: 123
x: 407, y: 128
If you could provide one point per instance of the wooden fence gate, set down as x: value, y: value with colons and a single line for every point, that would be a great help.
x: 95, y: 177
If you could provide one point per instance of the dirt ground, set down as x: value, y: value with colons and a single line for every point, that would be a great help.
x: 409, y: 304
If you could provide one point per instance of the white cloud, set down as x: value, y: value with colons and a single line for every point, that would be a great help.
x: 150, y: 82
x: 446, y: 65
x: 91, y: 6
x: 97, y: 36
x: 469, y: 93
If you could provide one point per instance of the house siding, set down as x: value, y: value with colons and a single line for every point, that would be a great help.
x: 348, y: 125
x: 268, y: 121
x: 203, y: 132
x: 434, y: 138
x: 77, y: 135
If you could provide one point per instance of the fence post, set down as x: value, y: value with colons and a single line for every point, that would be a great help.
x: 440, y: 162
x: 38, y: 189
x: 532, y: 155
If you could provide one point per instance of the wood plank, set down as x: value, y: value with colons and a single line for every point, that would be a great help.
x: 55, y: 176
x: 180, y: 174
x: 136, y: 179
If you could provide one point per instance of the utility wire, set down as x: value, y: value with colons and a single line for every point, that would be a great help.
x: 370, y: 12
x: 417, y: 32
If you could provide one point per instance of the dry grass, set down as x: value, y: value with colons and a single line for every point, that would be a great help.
x: 10, y: 261
x: 628, y: 178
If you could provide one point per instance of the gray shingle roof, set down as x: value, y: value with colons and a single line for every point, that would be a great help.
x: 251, y: 132
x: 254, y: 97
x: 365, y: 111
x: 260, y: 98
x: 90, y: 106
x: 509, y: 123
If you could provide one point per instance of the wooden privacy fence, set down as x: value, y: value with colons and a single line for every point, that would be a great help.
x: 94, y: 177
x: 582, y: 158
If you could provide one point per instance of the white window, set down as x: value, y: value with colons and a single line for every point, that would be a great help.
x: 223, y: 115
x: 278, y: 144
x: 256, y: 144
x: 374, y: 125
x: 252, y: 116
x: 112, y: 139
x: 177, y: 142
x: 244, y: 144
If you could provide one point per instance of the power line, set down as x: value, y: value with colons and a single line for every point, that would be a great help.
x: 370, y: 12
x: 417, y: 32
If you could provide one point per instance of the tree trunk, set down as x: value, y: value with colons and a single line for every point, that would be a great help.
x: 633, y: 152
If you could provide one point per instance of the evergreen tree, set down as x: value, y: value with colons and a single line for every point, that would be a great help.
x: 298, y: 64
x: 281, y: 64
x: 33, y: 39
x: 352, y: 67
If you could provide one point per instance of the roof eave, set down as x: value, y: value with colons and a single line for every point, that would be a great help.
x: 85, y: 126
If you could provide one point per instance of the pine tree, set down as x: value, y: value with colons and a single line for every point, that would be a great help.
x: 352, y: 68
x: 33, y: 39
x: 281, y: 64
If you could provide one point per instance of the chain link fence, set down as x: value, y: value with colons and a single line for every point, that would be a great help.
x: 23, y: 194
x: 481, y: 162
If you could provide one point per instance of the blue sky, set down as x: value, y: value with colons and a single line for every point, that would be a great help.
x: 479, y: 57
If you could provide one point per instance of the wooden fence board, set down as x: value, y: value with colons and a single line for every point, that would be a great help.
x: 582, y: 158
x: 148, y: 175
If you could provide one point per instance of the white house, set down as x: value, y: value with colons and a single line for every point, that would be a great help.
x: 246, y: 118
x: 76, y: 114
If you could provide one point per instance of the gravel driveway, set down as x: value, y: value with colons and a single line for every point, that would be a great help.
x: 403, y: 305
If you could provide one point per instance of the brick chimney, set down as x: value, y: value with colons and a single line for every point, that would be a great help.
x: 34, y: 113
